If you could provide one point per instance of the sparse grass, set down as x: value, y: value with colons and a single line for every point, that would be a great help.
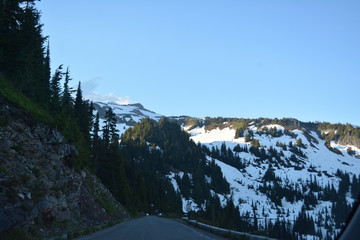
x: 103, y: 200
x: 107, y: 204
x: 13, y: 96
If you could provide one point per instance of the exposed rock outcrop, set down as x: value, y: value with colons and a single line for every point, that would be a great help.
x: 39, y: 191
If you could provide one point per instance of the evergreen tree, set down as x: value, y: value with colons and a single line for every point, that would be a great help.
x: 237, y: 149
x: 223, y: 150
x: 340, y: 210
x: 55, y: 89
x: 21, y: 49
x: 95, y: 147
x: 83, y: 113
x: 79, y: 104
x: 185, y: 185
x: 47, y: 76
x: 344, y: 183
x: 66, y: 98
x: 110, y: 133
x: 248, y: 137
x: 355, y: 187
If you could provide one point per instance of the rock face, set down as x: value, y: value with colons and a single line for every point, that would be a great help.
x: 39, y: 191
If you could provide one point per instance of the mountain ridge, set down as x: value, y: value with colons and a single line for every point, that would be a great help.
x: 274, y: 164
x: 138, y: 113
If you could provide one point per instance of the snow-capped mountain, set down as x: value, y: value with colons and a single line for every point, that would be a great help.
x: 126, y: 115
x: 278, y: 170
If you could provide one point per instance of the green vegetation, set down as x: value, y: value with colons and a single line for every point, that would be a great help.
x: 343, y: 133
x: 193, y: 122
x: 107, y: 204
x: 214, y: 123
x: 135, y: 168
x: 155, y: 148
x: 18, y: 234
x: 240, y: 128
x: 221, y: 123
x: 24, y: 60
x: 14, y: 96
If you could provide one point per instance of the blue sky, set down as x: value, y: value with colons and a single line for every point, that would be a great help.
x: 202, y: 58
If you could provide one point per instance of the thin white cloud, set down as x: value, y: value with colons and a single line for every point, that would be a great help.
x: 110, y: 97
x: 88, y: 88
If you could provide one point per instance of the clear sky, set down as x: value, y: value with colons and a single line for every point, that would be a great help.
x: 228, y: 58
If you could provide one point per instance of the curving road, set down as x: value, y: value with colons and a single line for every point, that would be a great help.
x: 152, y: 228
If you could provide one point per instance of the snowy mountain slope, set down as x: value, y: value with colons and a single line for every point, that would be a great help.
x: 318, y: 155
x: 288, y: 170
x: 302, y: 158
x: 126, y: 115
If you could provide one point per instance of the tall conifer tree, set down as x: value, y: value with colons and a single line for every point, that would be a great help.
x: 67, y: 100
x: 55, y: 89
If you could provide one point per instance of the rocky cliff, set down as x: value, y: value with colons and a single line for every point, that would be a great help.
x: 40, y: 194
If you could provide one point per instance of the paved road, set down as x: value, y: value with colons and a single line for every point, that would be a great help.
x: 152, y: 228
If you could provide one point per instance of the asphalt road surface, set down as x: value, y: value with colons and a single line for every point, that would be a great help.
x: 152, y: 228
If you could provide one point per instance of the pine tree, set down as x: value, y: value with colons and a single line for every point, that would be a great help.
x: 185, y: 185
x: 248, y: 137
x: 223, y: 150
x: 66, y: 98
x: 79, y: 104
x: 55, y: 89
x: 355, y: 187
x: 21, y: 49
x: 344, y: 183
x: 32, y: 55
x: 95, y: 146
x: 237, y: 149
x: 83, y: 113
x: 299, y: 143
x: 110, y: 133
x: 47, y: 75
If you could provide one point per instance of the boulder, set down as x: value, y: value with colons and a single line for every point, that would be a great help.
x: 47, y: 205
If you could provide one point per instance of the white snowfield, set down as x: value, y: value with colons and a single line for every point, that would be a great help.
x: 244, y: 184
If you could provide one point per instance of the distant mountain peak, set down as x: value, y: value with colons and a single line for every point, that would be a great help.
x: 126, y: 114
x: 139, y: 105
